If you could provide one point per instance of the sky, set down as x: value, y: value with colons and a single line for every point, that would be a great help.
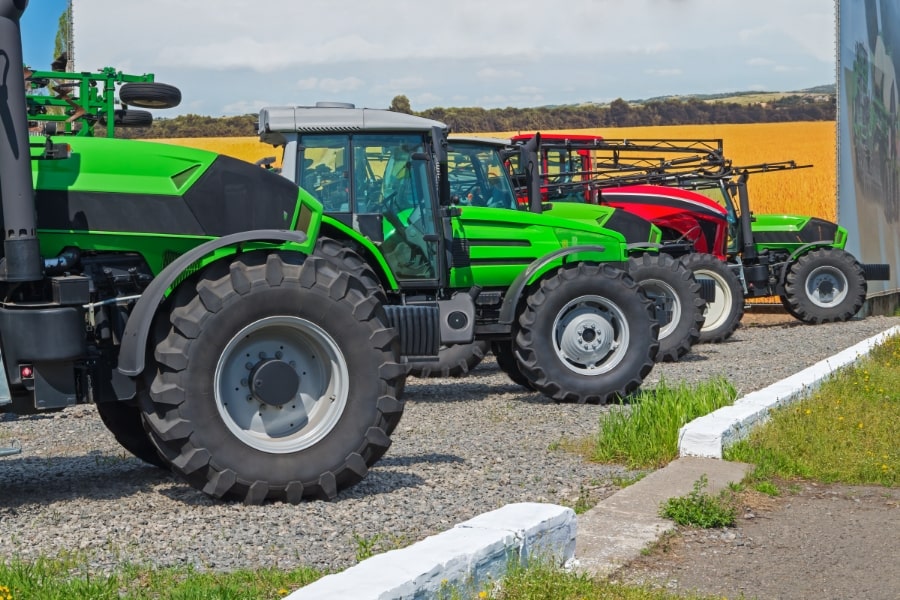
x: 230, y: 57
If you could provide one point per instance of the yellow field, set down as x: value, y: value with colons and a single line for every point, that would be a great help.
x: 244, y: 148
x: 805, y: 191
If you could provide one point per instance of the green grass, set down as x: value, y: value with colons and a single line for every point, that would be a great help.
x: 546, y: 582
x: 846, y: 432
x: 645, y: 434
x: 70, y: 578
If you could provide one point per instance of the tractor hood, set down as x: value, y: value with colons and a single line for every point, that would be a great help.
x: 634, y: 228
x: 147, y: 190
x: 782, y: 231
x: 585, y: 226
x: 665, y: 201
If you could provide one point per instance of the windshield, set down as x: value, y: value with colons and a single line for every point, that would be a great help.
x: 477, y: 176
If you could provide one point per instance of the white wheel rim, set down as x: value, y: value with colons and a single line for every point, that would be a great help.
x: 322, y: 385
x: 718, y: 310
x: 826, y: 286
x: 590, y: 335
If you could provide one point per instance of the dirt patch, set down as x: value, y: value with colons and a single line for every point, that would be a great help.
x: 816, y: 541
x: 767, y: 315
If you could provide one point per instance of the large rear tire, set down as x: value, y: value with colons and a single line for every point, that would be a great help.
x: 823, y: 286
x: 345, y: 260
x: 672, y: 288
x: 724, y: 313
x: 587, y: 334
x: 453, y: 361
x: 253, y: 397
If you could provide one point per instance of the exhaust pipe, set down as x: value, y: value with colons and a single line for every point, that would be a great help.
x: 22, y: 259
x: 531, y: 158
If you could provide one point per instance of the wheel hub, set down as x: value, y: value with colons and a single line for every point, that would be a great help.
x: 827, y: 287
x: 824, y: 288
x: 587, y: 338
x: 274, y: 382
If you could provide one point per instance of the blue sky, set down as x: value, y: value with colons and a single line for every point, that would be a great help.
x: 39, y: 25
x: 229, y: 57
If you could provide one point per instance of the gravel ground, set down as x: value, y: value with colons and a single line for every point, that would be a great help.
x: 463, y: 447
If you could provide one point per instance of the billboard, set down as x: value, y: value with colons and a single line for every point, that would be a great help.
x: 868, y: 174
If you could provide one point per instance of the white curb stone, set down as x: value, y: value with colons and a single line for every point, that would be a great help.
x: 708, y: 435
x: 471, y: 555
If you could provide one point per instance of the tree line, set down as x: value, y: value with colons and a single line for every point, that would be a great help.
x: 619, y: 113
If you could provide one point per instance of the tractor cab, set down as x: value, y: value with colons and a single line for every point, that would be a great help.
x: 374, y: 176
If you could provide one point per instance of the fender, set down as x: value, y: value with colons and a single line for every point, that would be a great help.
x: 796, y: 254
x: 132, y: 352
x: 514, y: 292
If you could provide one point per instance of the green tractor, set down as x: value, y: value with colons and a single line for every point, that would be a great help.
x: 177, y: 290
x: 679, y: 299
x: 553, y: 297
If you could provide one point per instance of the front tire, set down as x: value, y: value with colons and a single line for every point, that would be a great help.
x: 724, y: 313
x: 587, y: 334
x: 124, y: 422
x: 824, y: 286
x: 676, y: 293
x: 506, y: 360
x: 253, y: 397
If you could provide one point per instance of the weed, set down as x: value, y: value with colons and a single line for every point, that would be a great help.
x: 768, y: 488
x: 365, y: 546
x: 701, y: 509
x: 624, y: 481
x: 736, y: 487
x: 584, y: 502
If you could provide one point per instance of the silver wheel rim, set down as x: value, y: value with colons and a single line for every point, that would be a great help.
x: 826, y: 286
x: 671, y: 314
x: 590, y: 335
x: 303, y: 414
x: 717, y: 311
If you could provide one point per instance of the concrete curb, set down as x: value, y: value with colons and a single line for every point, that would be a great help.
x: 708, y: 435
x: 469, y: 556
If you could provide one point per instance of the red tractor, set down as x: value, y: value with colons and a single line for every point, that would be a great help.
x: 693, y: 193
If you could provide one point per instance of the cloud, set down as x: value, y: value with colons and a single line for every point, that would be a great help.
x: 665, y: 72
x: 225, y: 54
x: 493, y: 74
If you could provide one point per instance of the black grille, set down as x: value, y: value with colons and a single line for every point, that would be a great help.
x: 419, y: 328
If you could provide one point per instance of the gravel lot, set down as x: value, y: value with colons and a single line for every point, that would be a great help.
x: 463, y: 447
